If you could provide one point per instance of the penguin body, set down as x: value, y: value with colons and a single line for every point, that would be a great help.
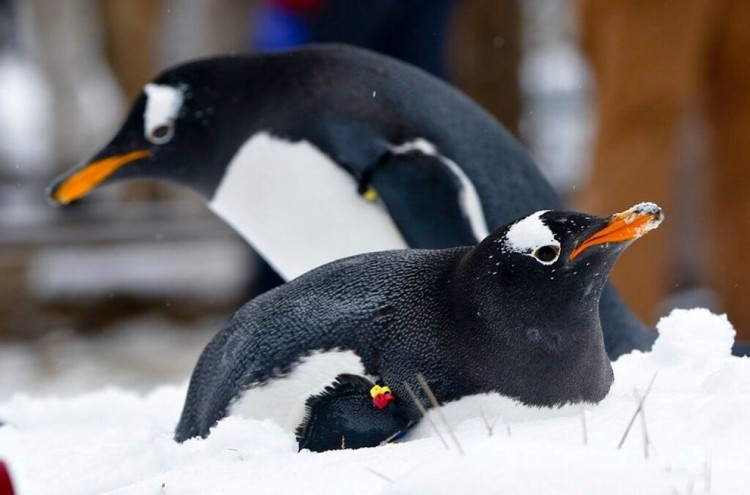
x: 516, y: 315
x: 292, y: 148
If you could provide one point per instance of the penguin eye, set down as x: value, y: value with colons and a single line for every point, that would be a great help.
x: 161, y: 134
x: 547, y: 254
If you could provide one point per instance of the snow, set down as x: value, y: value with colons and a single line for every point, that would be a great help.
x: 131, y: 355
x: 112, y: 440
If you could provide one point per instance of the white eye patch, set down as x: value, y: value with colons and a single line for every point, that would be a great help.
x: 163, y: 103
x: 530, y: 234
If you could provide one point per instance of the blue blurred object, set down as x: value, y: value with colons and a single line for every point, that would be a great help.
x: 277, y: 26
x: 414, y: 31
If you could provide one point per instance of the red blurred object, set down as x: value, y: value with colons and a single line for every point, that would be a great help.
x: 6, y: 486
x: 300, y: 6
x: 381, y: 401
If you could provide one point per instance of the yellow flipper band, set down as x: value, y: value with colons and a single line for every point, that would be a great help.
x: 370, y: 194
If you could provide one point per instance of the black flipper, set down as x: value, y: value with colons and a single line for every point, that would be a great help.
x: 343, y: 416
x: 423, y: 221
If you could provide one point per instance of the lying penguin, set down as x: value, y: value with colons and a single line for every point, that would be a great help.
x: 328, y: 151
x: 517, y: 315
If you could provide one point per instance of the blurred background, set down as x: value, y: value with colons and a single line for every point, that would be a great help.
x: 128, y: 285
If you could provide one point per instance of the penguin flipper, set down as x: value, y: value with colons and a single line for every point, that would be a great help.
x: 343, y: 416
x: 408, y: 184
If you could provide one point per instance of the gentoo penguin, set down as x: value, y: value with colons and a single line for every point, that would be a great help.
x: 328, y: 151
x: 516, y: 314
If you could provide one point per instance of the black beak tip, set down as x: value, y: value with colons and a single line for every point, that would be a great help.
x: 50, y: 192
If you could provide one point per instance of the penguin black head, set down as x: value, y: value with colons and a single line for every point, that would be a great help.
x: 532, y: 289
x: 554, y: 260
x: 170, y: 133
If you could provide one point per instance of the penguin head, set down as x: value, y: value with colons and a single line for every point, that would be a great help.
x: 556, y: 260
x: 172, y: 133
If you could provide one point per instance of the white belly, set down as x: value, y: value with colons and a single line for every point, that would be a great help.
x: 298, y: 208
x: 283, y: 400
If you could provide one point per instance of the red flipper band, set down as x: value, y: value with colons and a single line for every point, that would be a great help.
x: 381, y: 396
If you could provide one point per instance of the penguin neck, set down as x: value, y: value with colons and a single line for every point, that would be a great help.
x: 542, y: 365
x: 541, y: 352
x: 297, y: 207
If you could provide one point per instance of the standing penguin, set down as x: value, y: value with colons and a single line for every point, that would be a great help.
x: 516, y: 315
x: 328, y: 151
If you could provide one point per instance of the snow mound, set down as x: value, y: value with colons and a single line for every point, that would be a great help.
x: 691, y: 438
x: 693, y: 335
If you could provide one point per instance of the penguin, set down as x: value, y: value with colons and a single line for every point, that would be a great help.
x: 517, y: 314
x: 327, y: 151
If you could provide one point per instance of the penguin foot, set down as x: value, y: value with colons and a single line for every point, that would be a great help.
x: 351, y: 413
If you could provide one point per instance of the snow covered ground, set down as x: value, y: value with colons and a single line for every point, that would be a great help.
x: 116, y: 440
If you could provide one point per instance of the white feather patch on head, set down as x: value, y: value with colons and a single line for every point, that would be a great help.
x: 529, y: 234
x: 163, y: 103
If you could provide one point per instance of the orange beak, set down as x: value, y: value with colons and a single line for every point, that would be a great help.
x: 623, y: 227
x: 81, y: 182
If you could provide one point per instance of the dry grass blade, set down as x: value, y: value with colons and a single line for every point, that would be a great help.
x: 424, y: 413
x: 646, y: 440
x: 584, y: 427
x: 637, y: 411
x: 379, y: 475
x: 490, y: 427
x: 438, y: 410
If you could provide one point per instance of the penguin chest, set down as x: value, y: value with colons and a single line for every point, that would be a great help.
x: 298, y: 208
x: 283, y: 399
